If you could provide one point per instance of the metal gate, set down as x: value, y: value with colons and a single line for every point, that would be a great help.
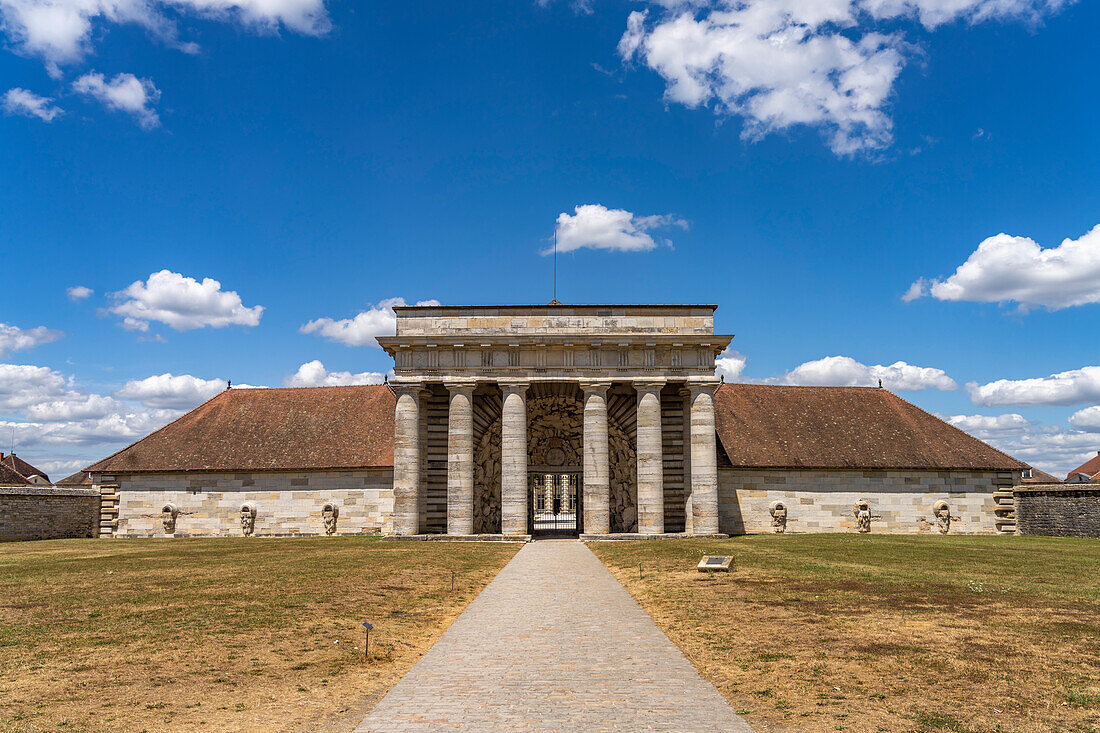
x: 555, y: 504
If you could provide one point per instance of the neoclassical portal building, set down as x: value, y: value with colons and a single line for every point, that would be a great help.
x: 591, y: 421
x: 605, y: 411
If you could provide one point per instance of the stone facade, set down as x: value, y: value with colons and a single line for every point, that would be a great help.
x: 45, y: 513
x: 282, y: 503
x: 1058, y: 510
x: 899, y: 502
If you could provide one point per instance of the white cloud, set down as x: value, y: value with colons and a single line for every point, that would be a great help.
x: 23, y: 385
x: 182, y: 303
x: 13, y: 338
x: 1006, y: 268
x: 124, y: 93
x: 779, y: 64
x: 1049, y: 448
x: 61, y: 31
x: 168, y: 391
x: 594, y: 226
x: 314, y: 374
x: 364, y: 328
x: 110, y: 430
x: 1075, y: 387
x: 1086, y: 419
x: 78, y: 293
x: 730, y: 364
x: 22, y: 102
x: 72, y: 406
x: 844, y: 371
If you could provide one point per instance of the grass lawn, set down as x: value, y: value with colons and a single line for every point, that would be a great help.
x: 222, y: 634
x: 884, y: 633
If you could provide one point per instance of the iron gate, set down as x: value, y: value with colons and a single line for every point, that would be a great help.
x: 555, y: 504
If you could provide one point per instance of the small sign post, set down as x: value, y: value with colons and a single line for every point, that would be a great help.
x: 366, y: 644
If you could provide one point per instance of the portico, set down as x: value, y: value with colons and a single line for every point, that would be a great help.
x: 490, y: 397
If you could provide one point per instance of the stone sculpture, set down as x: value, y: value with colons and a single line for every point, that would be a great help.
x: 248, y: 519
x: 778, y: 511
x: 168, y: 516
x: 329, y: 515
x: 942, y: 511
x: 862, y: 511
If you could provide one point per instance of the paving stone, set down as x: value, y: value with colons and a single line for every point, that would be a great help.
x: 553, y: 643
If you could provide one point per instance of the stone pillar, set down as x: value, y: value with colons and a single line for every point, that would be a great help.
x: 685, y: 395
x: 460, y: 458
x: 406, y: 459
x: 513, y: 458
x: 597, y: 485
x: 702, y: 507
x: 651, y: 483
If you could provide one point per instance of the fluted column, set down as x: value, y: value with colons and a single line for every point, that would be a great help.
x: 513, y: 458
x: 406, y: 459
x: 651, y: 484
x: 597, y: 486
x: 702, y: 510
x: 460, y: 458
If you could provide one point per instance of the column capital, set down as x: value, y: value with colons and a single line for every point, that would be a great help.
x: 649, y: 384
x: 514, y: 386
x: 460, y: 385
x: 408, y: 385
x: 598, y: 386
x: 695, y: 385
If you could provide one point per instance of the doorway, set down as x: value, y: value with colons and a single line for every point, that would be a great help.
x: 555, y: 504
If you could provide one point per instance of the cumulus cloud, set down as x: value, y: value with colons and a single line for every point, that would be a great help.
x: 730, y: 364
x: 1049, y: 448
x: 1086, y: 419
x: 1006, y: 269
x: 779, y: 65
x: 1075, y: 387
x: 314, y: 374
x: 13, y: 338
x: 364, y: 328
x: 19, y: 101
x: 72, y: 406
x: 22, y: 385
x: 182, y: 303
x: 124, y: 93
x: 844, y: 371
x: 78, y: 293
x: 61, y: 31
x: 594, y: 226
x: 169, y: 391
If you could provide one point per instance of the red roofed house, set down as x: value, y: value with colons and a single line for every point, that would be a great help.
x: 1087, y: 472
x: 578, y: 420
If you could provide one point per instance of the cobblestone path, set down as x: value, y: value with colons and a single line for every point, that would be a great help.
x: 554, y: 643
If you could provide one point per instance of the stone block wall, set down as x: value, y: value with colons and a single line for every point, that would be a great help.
x: 286, y: 503
x: 45, y: 512
x: 901, y: 501
x: 1058, y: 510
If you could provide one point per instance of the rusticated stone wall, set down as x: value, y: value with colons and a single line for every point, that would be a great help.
x: 1058, y: 510
x: 900, y: 502
x: 45, y: 513
x: 209, y: 504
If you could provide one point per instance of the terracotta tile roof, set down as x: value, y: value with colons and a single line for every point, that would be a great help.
x: 1041, y: 477
x: 765, y: 426
x: 80, y: 478
x: 1091, y: 467
x: 10, y: 477
x: 21, y: 467
x: 270, y: 430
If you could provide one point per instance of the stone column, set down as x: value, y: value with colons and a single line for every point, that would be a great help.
x: 651, y: 470
x: 702, y: 509
x: 597, y: 486
x: 685, y: 395
x: 406, y: 459
x: 513, y: 458
x: 460, y: 458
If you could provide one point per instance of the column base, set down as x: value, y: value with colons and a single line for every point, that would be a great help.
x: 459, y: 537
x: 621, y: 536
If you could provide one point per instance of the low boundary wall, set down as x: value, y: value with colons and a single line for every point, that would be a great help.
x: 47, y: 512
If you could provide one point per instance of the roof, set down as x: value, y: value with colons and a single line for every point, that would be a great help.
x: 769, y: 426
x: 1091, y: 467
x: 10, y: 477
x: 80, y: 478
x: 21, y: 467
x: 1041, y: 477
x: 270, y: 430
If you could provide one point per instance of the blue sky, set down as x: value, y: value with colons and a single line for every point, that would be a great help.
x: 805, y: 165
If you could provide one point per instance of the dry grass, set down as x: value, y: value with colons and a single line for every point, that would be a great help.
x: 222, y: 634
x: 881, y: 633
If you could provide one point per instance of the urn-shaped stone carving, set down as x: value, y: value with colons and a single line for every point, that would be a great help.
x: 248, y: 519
x: 778, y: 510
x: 329, y: 514
x: 168, y: 514
x: 942, y: 511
